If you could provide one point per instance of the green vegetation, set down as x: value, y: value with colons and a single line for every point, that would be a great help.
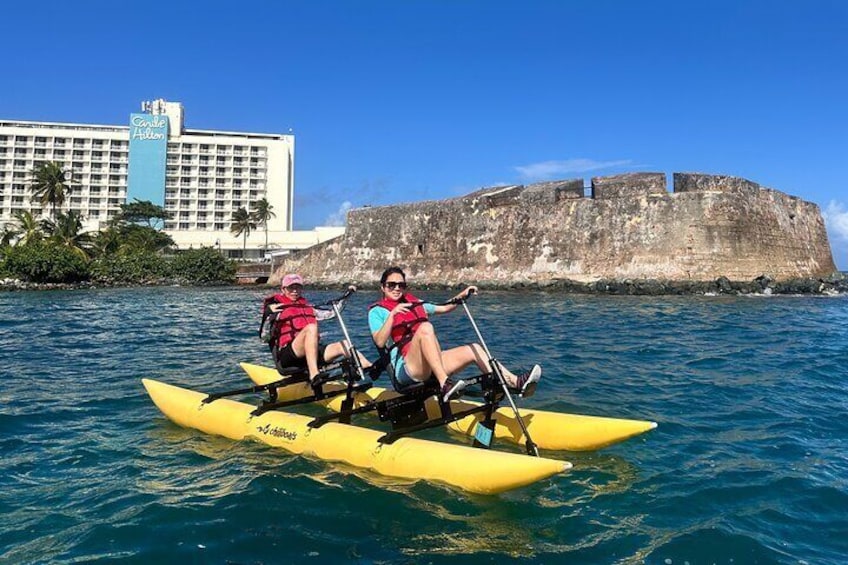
x: 261, y: 214
x: 243, y: 224
x: 132, y: 249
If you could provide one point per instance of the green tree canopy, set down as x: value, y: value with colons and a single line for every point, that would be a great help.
x: 51, y: 184
x: 261, y: 214
x: 66, y: 230
x: 243, y: 224
x: 26, y: 229
x: 142, y: 212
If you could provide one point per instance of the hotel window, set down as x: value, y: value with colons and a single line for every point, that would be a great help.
x: 59, y: 142
x: 94, y: 202
x: 183, y: 225
x: 184, y: 192
x: 201, y: 226
x: 97, y: 143
x: 59, y: 153
x: 21, y: 139
x: 201, y: 205
x: 220, y: 171
x: 237, y: 182
x: 96, y: 155
x: 184, y: 215
x: 94, y: 213
x: 219, y: 227
x: 204, y: 149
x: 220, y: 194
x: 172, y: 170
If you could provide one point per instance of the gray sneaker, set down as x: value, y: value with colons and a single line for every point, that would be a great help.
x: 452, y: 388
x: 526, y: 383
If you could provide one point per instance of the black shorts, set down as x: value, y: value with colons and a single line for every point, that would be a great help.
x: 287, y: 358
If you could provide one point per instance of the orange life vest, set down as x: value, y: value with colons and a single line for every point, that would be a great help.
x: 404, y: 325
x: 292, y: 318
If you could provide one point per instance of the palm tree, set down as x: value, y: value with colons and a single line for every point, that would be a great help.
x: 28, y: 229
x: 262, y: 214
x: 7, y: 236
x: 243, y: 223
x: 66, y: 231
x: 50, y: 185
x: 106, y: 242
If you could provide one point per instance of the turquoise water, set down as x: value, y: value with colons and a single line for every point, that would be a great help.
x: 749, y: 463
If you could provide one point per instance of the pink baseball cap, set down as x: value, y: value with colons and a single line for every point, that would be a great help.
x: 291, y: 279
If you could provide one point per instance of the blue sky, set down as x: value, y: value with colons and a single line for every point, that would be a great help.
x: 403, y: 100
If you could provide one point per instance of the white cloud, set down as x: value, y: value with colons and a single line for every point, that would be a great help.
x: 836, y: 220
x: 549, y: 169
x: 339, y: 217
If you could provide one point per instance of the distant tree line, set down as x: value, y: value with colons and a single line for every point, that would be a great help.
x: 131, y: 249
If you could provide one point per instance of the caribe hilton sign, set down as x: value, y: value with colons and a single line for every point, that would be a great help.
x: 152, y: 127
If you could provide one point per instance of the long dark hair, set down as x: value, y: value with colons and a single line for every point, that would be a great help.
x: 391, y: 271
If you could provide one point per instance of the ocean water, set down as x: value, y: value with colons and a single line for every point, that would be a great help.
x: 749, y: 463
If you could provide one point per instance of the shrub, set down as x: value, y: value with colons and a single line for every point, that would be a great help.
x: 204, y: 265
x: 45, y: 262
x: 134, y: 267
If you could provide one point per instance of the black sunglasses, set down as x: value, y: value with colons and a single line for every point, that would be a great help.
x: 391, y: 285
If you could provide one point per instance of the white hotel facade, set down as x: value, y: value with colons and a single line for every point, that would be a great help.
x: 201, y: 177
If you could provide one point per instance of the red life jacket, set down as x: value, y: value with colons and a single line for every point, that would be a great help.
x: 293, y: 317
x: 405, y: 325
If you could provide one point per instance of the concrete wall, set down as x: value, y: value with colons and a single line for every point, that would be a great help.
x: 630, y: 227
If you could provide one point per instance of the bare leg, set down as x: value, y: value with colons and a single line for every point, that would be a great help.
x: 458, y: 358
x: 424, y: 357
x: 337, y: 349
x: 305, y: 344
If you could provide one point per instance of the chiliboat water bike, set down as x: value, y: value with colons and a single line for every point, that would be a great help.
x: 346, y: 389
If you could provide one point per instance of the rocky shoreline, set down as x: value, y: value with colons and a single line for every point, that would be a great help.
x: 764, y: 285
x: 17, y: 284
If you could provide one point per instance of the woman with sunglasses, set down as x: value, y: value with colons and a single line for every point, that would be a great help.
x: 399, y: 322
x: 297, y: 323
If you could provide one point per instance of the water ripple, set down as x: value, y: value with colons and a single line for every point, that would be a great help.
x: 749, y: 463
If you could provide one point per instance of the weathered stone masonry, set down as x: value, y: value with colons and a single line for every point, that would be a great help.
x: 630, y: 227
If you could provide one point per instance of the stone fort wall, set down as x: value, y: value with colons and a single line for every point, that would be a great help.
x: 629, y: 227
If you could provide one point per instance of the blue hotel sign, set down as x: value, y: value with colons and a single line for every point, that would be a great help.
x: 148, y: 156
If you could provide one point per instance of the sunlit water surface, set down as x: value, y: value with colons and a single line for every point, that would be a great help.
x: 748, y: 464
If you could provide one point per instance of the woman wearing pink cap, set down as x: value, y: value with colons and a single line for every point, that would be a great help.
x: 297, y: 324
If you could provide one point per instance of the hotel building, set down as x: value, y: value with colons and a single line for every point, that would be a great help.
x: 201, y: 177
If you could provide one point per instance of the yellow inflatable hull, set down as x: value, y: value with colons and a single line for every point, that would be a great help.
x: 474, y: 470
x: 549, y: 430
